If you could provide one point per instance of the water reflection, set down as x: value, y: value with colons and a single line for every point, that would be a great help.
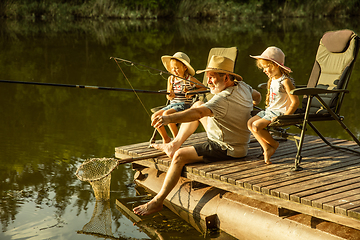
x: 46, y: 132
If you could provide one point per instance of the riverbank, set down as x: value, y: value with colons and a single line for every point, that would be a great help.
x: 147, y: 9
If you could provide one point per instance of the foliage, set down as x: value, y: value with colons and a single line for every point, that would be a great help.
x: 231, y: 9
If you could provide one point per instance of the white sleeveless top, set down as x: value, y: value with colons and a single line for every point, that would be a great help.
x: 279, y: 100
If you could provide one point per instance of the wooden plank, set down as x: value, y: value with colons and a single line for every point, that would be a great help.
x: 344, y: 208
x: 303, y: 196
x: 273, y: 173
x: 318, y: 203
x: 311, y: 200
x: 298, y: 177
x: 259, y: 165
x: 326, y: 177
x: 313, y: 185
x: 339, y: 202
x: 354, y: 213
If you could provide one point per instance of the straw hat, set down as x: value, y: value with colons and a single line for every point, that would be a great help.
x: 275, y: 55
x: 221, y: 64
x: 182, y: 57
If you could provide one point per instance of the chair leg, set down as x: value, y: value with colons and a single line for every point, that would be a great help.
x: 302, y: 136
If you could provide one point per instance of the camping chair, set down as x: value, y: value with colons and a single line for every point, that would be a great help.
x: 227, y: 52
x: 325, y: 90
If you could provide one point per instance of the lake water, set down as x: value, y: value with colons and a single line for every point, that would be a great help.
x: 47, y: 132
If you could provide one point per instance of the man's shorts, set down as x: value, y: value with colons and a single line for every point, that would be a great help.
x: 211, y: 151
x: 180, y: 106
x: 269, y: 114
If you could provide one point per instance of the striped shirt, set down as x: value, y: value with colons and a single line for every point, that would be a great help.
x: 178, y: 86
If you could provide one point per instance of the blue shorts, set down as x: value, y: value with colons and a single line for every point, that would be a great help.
x: 180, y: 106
x: 269, y: 114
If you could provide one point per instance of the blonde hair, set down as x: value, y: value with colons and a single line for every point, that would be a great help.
x: 260, y: 63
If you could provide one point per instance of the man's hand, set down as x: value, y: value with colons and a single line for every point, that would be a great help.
x: 159, y: 121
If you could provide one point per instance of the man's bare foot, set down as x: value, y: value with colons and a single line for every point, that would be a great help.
x: 168, y: 148
x: 269, y: 152
x: 148, y: 208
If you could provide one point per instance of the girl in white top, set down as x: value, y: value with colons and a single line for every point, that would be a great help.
x: 279, y: 101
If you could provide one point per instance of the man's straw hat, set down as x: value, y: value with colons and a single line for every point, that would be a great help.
x: 275, y: 55
x: 221, y: 64
x: 180, y: 56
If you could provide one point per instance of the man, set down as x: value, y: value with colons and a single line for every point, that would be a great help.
x: 224, y: 118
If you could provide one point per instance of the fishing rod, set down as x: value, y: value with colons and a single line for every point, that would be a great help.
x: 161, y: 71
x: 100, y: 87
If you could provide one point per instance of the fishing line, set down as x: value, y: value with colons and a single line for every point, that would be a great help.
x: 133, y: 89
x: 143, y: 69
x: 161, y: 71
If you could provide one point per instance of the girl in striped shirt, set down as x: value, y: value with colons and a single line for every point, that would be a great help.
x: 181, y: 82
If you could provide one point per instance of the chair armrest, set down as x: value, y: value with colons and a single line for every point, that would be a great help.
x: 262, y: 85
x: 314, y: 91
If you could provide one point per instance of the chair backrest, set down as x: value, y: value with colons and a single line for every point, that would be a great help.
x: 333, y: 65
x: 230, y: 52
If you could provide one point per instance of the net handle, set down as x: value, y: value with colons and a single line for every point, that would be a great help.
x: 132, y: 159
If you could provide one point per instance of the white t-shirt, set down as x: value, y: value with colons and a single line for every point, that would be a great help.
x: 228, y: 127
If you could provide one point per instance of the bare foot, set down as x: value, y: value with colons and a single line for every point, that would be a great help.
x: 168, y: 148
x: 269, y: 152
x: 148, y: 208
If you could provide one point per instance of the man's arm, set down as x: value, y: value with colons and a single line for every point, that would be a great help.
x: 256, y: 96
x: 189, y: 115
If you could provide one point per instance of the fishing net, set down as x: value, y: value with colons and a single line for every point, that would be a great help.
x: 96, y: 168
x: 97, y: 171
x: 100, y: 222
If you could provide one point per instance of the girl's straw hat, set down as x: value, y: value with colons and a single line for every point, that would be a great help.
x: 182, y: 57
x: 221, y: 64
x: 275, y: 55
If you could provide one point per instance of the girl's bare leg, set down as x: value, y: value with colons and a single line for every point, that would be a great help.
x: 172, y: 126
x: 256, y: 125
x: 165, y: 137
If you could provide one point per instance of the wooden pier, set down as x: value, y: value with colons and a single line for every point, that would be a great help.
x: 328, y: 187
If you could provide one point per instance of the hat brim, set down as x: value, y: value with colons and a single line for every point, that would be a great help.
x: 277, y: 63
x: 166, y: 62
x: 237, y: 77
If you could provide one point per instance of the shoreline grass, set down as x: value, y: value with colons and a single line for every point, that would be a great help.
x: 51, y: 10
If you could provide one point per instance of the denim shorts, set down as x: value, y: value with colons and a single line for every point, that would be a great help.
x: 268, y: 114
x: 211, y: 151
x: 180, y: 106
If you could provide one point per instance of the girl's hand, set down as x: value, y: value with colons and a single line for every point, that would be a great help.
x: 188, y: 94
x: 171, y: 95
